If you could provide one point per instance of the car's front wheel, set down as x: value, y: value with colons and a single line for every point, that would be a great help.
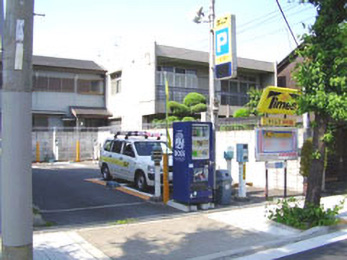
x: 105, y: 173
x: 140, y: 181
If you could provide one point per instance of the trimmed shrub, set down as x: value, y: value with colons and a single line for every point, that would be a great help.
x: 188, y: 119
x: 198, y: 108
x: 178, y: 109
x: 242, y: 112
x: 194, y: 98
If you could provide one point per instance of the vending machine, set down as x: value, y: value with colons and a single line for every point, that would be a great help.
x: 193, y: 162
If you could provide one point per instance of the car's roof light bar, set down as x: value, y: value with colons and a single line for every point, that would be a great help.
x: 138, y: 133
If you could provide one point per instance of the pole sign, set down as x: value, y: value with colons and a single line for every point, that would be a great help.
x: 225, y: 47
x: 273, y: 144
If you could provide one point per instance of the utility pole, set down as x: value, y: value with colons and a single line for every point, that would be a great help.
x: 16, y: 190
x: 213, y: 104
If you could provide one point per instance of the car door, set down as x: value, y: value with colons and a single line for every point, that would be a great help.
x: 115, y: 158
x: 105, y: 154
x: 129, y: 161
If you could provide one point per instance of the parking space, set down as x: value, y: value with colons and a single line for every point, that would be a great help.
x: 73, y: 194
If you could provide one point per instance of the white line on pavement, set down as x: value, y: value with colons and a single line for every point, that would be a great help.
x: 90, y: 208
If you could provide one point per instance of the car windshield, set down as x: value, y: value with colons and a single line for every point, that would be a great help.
x: 145, y: 148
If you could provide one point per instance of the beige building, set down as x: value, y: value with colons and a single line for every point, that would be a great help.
x: 137, y: 94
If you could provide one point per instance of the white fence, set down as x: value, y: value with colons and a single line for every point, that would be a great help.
x: 68, y: 144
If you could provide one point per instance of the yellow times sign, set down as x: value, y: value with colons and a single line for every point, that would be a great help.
x: 276, y: 100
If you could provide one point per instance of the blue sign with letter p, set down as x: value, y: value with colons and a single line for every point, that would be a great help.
x: 222, y: 42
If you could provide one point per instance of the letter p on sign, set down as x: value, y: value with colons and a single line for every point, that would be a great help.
x: 222, y: 42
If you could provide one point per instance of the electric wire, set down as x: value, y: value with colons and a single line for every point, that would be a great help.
x: 285, y: 19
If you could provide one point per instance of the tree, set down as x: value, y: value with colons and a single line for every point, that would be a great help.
x: 322, y: 78
x: 254, y: 98
x: 193, y: 104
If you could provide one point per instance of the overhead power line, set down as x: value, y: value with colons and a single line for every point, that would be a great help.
x: 285, y: 19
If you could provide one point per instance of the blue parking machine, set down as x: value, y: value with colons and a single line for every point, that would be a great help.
x: 193, y: 162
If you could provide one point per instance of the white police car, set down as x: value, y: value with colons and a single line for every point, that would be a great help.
x: 129, y: 158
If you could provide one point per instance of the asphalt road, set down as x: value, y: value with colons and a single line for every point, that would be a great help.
x: 336, y: 251
x: 65, y: 198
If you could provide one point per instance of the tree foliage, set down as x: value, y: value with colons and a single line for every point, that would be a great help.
x: 178, y: 109
x: 242, y: 112
x: 254, y: 98
x: 193, y: 104
x: 306, y: 157
x: 194, y: 98
x: 198, y: 108
x: 322, y: 78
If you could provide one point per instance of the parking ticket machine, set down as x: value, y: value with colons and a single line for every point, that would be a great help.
x: 192, y: 162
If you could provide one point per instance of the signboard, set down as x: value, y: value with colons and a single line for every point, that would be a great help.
x: 277, y: 121
x: 275, y: 100
x: 274, y: 144
x: 275, y: 165
x: 225, y: 47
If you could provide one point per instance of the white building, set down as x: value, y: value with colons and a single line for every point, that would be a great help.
x: 67, y: 92
x: 137, y: 94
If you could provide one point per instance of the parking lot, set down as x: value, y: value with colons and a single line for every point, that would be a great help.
x: 65, y: 195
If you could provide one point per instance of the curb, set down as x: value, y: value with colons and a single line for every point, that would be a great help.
x: 246, y: 251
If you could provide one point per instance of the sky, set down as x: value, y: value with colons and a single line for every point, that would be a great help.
x: 101, y: 30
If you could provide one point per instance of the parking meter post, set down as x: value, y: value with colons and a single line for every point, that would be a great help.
x: 228, y: 156
x: 157, y: 180
x: 165, y: 178
x: 157, y: 154
x: 242, y: 180
x: 229, y: 167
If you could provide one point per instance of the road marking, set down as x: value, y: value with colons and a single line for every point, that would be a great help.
x: 91, y: 208
x: 134, y: 192
x: 97, y: 181
x: 123, y: 188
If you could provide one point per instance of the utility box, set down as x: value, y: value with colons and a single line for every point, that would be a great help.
x: 193, y: 161
x: 242, y: 153
x: 224, y: 184
x: 229, y: 153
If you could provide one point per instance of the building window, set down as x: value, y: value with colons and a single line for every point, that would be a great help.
x: 116, y: 83
x: 177, y: 77
x: 282, y: 81
x: 234, y: 92
x: 87, y: 86
x: 52, y: 84
x: 40, y: 121
x: 67, y: 85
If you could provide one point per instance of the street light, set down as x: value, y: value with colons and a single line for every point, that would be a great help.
x: 199, y: 18
x: 213, y: 105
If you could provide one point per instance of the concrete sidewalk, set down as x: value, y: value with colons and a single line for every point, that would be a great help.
x: 228, y: 233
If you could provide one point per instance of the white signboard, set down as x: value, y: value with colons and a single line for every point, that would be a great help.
x: 273, y: 144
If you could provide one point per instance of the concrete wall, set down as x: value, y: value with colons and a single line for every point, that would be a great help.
x: 255, y: 171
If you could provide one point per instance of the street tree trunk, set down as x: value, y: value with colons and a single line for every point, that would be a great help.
x: 314, y: 181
